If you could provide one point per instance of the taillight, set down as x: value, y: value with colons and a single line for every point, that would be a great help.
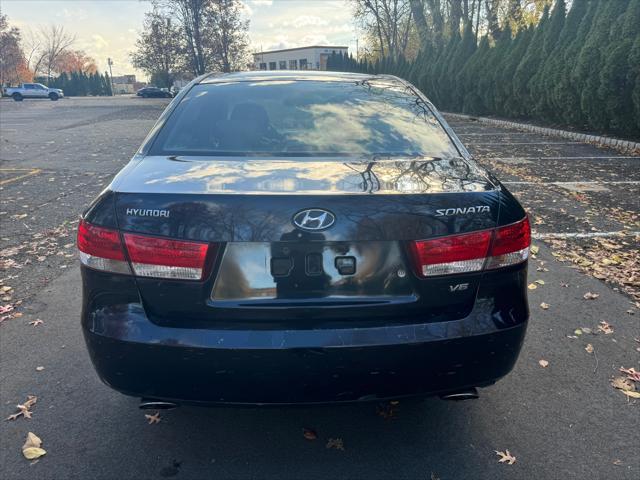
x: 471, y: 252
x: 510, y: 245
x: 449, y: 255
x: 102, y: 249
x: 164, y: 258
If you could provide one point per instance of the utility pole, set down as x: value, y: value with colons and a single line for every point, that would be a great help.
x: 110, y: 62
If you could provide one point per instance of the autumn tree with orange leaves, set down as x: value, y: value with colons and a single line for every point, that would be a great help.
x: 75, y: 61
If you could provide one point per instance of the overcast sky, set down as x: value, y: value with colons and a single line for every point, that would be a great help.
x: 109, y: 28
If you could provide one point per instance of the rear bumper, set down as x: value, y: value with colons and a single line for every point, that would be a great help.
x: 137, y: 357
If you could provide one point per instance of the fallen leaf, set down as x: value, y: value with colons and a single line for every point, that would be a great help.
x: 540, y: 282
x: 589, y: 348
x: 605, y: 328
x: 543, y: 363
x: 544, y: 306
x: 506, y: 457
x: 590, y: 296
x: 631, y: 373
x: 24, y: 408
x: 39, y: 369
x: 577, y: 331
x: 5, y: 308
x: 534, y: 249
x: 309, y: 434
x: 155, y: 418
x: 631, y: 394
x: 32, y: 453
x: 336, y: 443
x: 36, y: 322
x: 532, y: 286
x: 622, y: 383
x: 31, y: 448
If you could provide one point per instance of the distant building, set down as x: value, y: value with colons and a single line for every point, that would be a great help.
x: 303, y: 58
x: 124, y: 84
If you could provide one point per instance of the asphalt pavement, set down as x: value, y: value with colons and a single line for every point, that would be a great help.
x: 564, y: 420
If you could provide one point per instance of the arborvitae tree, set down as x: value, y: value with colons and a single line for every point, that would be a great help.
x: 510, y: 100
x: 468, y: 78
x: 591, y: 56
x: 556, y: 69
x: 439, y: 75
x: 537, y: 86
x: 487, y: 78
x: 529, y: 66
x: 465, y: 49
x: 634, y: 62
x: 108, y: 88
x: 506, y: 46
x: 567, y: 91
x: 617, y: 78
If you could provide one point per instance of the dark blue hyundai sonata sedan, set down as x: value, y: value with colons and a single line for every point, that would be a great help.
x: 302, y: 237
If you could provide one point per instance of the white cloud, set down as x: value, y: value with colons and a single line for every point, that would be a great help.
x: 260, y: 3
x: 305, y: 21
x: 99, y: 42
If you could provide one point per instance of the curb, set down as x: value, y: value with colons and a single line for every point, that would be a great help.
x: 623, y: 146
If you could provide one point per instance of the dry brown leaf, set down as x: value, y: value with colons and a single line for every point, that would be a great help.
x: 506, y: 457
x: 631, y: 394
x: 532, y: 286
x: 336, y: 443
x: 24, y: 408
x: 590, y: 296
x: 155, y: 418
x: 622, y: 383
x: 543, y: 363
x: 605, y: 328
x: 544, y: 306
x: 534, y: 249
x: 309, y: 434
x: 589, y: 348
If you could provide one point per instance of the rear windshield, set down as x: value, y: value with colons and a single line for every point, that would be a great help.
x: 301, y: 119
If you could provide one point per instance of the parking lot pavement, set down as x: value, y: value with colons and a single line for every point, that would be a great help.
x: 562, y: 421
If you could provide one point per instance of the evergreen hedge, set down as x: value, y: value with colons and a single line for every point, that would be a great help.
x: 579, y: 68
x: 80, y: 84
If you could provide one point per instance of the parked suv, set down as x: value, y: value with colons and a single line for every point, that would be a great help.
x: 302, y: 237
x: 33, y: 90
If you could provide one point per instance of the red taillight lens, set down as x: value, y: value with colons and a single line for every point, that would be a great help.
x: 101, y: 248
x: 471, y: 252
x: 449, y: 255
x: 510, y: 245
x: 164, y: 258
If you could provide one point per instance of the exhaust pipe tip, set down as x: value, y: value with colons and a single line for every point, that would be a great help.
x: 468, y: 394
x: 148, y: 404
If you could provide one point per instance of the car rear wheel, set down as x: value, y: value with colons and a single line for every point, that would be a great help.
x: 53, y: 96
x: 17, y: 97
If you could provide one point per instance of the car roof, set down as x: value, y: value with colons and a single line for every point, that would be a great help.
x: 294, y: 75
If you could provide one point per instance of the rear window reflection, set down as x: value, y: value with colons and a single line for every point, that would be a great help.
x: 303, y: 118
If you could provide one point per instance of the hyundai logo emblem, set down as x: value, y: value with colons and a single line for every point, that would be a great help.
x: 314, y: 219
